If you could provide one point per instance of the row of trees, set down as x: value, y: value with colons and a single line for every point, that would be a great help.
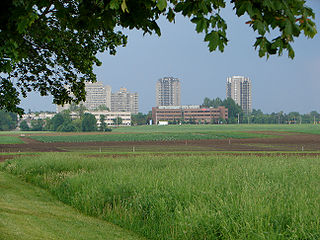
x: 8, y: 120
x: 257, y: 116
x: 87, y: 122
x: 236, y: 114
x: 234, y: 110
x: 141, y: 118
x: 62, y: 122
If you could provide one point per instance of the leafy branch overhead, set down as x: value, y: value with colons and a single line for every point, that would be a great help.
x: 48, y: 44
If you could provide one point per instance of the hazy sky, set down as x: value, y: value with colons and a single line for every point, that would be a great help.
x: 277, y: 84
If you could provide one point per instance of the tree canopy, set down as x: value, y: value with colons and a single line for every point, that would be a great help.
x: 234, y: 110
x: 89, y: 123
x: 48, y: 44
x: 8, y: 120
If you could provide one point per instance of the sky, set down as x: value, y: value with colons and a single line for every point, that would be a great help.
x: 278, y: 84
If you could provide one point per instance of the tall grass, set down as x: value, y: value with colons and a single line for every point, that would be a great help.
x: 187, y: 197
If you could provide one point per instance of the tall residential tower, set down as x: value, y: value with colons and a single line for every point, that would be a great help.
x: 124, y: 101
x: 168, y: 92
x: 97, y: 95
x: 239, y: 89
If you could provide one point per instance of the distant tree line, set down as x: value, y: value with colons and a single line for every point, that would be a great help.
x: 8, y: 120
x: 62, y: 122
x: 141, y: 118
x: 87, y: 122
x: 257, y: 116
x: 234, y: 110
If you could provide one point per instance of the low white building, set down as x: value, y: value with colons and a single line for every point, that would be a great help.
x: 36, y: 116
x: 110, y: 116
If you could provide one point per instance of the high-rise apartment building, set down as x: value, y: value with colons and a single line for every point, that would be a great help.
x: 239, y: 89
x: 97, y: 94
x: 124, y: 101
x: 168, y: 92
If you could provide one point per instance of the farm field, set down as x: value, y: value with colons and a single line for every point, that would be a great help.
x: 186, y: 196
x: 173, y: 139
x: 165, y: 182
x: 10, y: 140
x: 150, y: 136
x: 297, y: 128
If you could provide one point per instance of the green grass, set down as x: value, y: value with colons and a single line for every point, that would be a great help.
x: 186, y: 197
x: 10, y: 140
x: 152, y: 136
x: 300, y: 128
x: 28, y: 212
x: 20, y: 132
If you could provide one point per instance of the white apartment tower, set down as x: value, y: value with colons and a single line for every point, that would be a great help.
x: 239, y: 89
x: 168, y: 92
x: 124, y: 101
x: 97, y: 94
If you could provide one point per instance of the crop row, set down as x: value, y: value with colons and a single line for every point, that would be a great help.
x: 133, y: 137
x: 300, y: 128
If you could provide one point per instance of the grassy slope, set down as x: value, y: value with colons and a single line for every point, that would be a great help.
x: 187, y: 197
x: 28, y: 212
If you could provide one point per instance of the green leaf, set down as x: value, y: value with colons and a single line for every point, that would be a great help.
x: 114, y: 4
x: 201, y: 25
x: 162, y: 4
x: 170, y: 15
x: 260, y: 27
x: 124, y: 6
x: 288, y: 28
x: 291, y: 53
x: 213, y: 39
x: 241, y: 9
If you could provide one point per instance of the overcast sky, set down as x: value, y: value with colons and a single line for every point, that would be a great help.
x: 278, y: 84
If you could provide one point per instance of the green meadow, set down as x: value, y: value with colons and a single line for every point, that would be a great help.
x: 185, y: 197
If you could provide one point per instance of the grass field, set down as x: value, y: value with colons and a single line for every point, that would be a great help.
x: 300, y: 128
x: 20, y: 132
x: 152, y: 136
x: 186, y: 197
x: 10, y: 140
x: 28, y: 212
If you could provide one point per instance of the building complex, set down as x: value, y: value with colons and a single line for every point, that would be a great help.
x: 111, y: 118
x: 96, y: 95
x: 99, y: 97
x: 239, y: 89
x: 168, y: 92
x: 124, y: 101
x: 191, y: 114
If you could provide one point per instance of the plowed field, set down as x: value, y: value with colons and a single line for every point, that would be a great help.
x: 281, y: 142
